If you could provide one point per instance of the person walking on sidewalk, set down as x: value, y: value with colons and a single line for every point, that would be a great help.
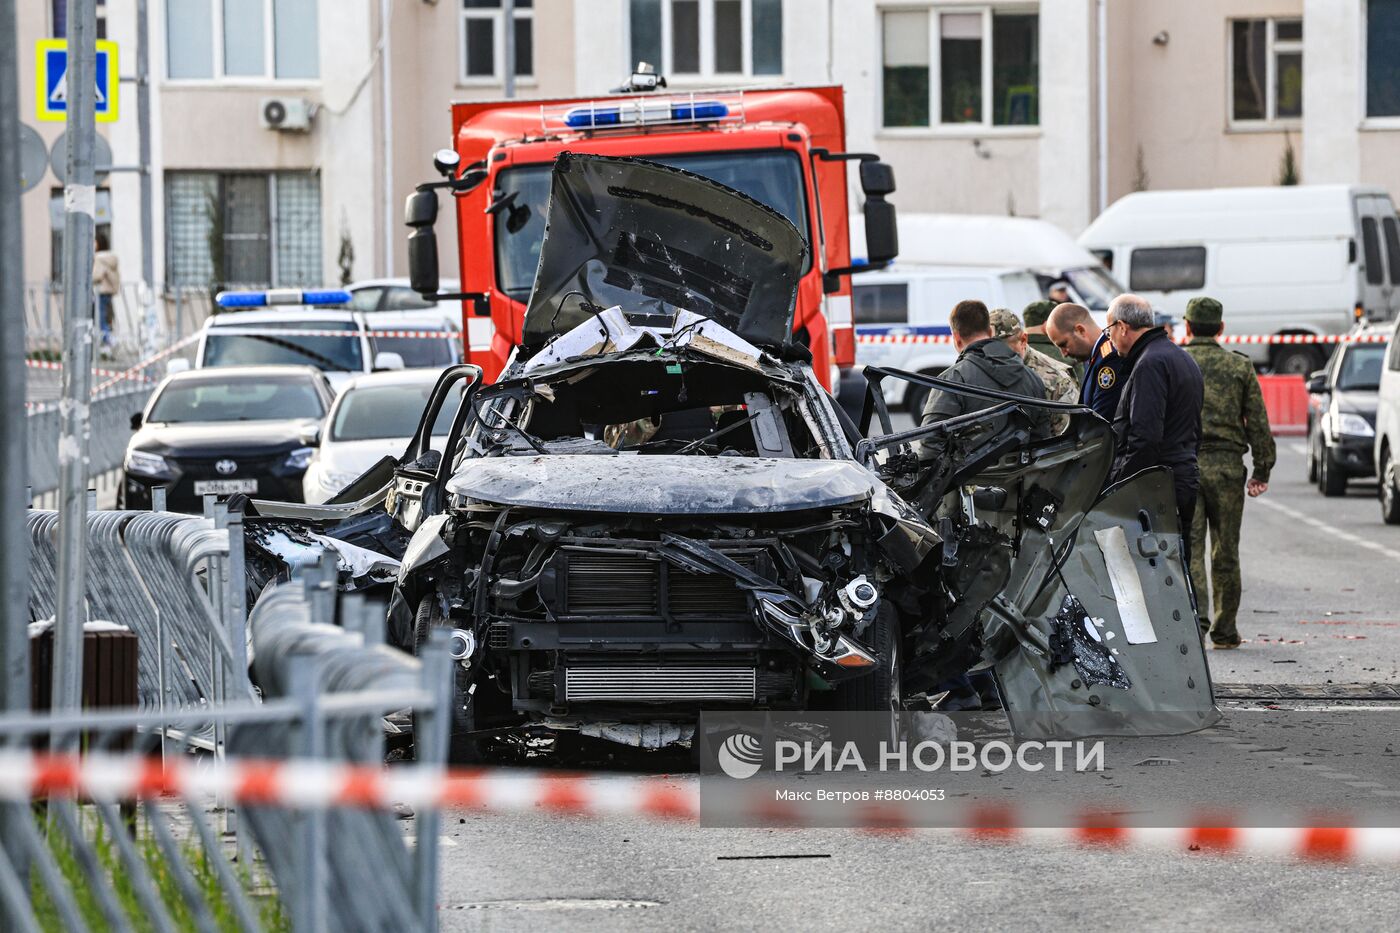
x: 1233, y: 420
x: 106, y: 282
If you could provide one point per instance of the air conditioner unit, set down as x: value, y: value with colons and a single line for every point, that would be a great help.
x: 288, y: 114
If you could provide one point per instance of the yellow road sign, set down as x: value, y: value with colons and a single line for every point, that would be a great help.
x: 51, y: 84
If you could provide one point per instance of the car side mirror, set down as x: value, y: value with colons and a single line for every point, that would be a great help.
x: 420, y: 214
x: 1317, y: 383
x: 881, y: 232
x: 386, y: 360
x: 311, y: 437
x: 136, y: 421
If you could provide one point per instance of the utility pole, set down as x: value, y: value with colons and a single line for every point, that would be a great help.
x: 79, y: 202
x: 14, y: 543
x: 143, y: 127
x: 508, y: 30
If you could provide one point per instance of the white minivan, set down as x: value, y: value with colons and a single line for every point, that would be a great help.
x: 1311, y: 259
x: 896, y: 306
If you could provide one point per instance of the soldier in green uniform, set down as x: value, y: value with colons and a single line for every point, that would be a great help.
x: 1233, y: 420
x: 1060, y: 385
x: 1035, y: 315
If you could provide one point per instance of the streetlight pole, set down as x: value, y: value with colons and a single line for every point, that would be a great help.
x: 79, y: 204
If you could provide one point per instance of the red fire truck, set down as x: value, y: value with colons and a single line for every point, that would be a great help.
x: 784, y: 147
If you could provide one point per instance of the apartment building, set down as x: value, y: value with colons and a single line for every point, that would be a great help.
x: 1049, y: 109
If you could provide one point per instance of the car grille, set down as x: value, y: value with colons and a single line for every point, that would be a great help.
x: 601, y: 584
x: 639, y: 683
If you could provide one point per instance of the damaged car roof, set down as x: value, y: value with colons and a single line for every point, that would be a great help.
x: 724, y: 256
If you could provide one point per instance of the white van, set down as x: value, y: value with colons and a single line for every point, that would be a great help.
x: 911, y: 301
x: 1286, y: 260
x: 1035, y: 246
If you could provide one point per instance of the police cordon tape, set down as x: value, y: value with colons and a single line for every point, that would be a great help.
x: 309, y: 784
x: 1223, y: 338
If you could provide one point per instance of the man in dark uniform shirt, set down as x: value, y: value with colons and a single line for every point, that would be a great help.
x: 1072, y: 329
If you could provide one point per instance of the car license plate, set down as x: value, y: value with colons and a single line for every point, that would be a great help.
x: 224, y: 487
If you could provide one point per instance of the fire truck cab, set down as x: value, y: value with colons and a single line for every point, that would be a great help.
x: 783, y: 147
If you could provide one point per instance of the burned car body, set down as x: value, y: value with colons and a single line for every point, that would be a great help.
x: 657, y: 509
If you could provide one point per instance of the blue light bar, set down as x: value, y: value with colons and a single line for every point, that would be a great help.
x: 282, y: 296
x: 641, y: 112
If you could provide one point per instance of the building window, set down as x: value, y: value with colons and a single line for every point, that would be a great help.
x: 483, y: 38
x: 241, y: 40
x: 978, y: 67
x: 59, y: 17
x: 708, y: 37
x: 1167, y: 268
x: 1266, y: 69
x: 243, y: 229
x: 1382, y: 65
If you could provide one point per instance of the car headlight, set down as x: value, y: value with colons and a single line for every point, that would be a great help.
x: 1349, y: 422
x: 336, y: 479
x: 300, y: 458
x: 147, y: 464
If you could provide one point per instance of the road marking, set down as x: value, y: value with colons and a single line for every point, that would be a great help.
x: 1329, y: 529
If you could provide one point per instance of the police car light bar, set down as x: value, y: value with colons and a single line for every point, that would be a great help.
x: 282, y: 296
x: 675, y: 109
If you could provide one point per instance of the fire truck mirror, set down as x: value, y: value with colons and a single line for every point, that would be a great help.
x: 876, y: 179
x: 420, y: 213
x: 881, y: 234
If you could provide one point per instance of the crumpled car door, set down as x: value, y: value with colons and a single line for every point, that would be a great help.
x: 1115, y: 648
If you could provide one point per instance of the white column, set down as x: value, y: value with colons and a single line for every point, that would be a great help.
x: 349, y: 140
x: 1067, y: 113
x: 1334, y: 64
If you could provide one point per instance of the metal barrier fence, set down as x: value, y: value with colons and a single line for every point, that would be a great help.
x: 343, y: 866
x: 110, y: 430
x: 176, y: 581
x: 144, y: 319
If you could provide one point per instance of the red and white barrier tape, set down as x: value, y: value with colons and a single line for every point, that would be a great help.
x: 1223, y: 338
x: 372, y: 333
x: 148, y: 362
x: 314, y: 784
x: 58, y: 367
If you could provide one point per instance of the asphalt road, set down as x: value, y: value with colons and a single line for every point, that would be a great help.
x: 1321, y: 605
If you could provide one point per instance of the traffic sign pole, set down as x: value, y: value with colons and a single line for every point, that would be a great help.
x: 143, y: 126
x: 79, y: 204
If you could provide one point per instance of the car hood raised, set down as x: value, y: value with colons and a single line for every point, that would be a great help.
x: 655, y: 240
x: 662, y: 484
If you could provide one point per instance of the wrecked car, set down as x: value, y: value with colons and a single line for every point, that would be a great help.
x: 657, y: 509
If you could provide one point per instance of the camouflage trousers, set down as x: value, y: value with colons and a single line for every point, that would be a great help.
x: 1219, y: 510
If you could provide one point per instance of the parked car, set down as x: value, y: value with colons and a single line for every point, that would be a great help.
x: 372, y: 418
x: 657, y: 509
x: 1311, y: 259
x: 236, y: 429
x: 1387, y: 444
x: 1035, y: 246
x: 911, y: 301
x: 1342, y: 417
x: 377, y: 295
x: 297, y: 328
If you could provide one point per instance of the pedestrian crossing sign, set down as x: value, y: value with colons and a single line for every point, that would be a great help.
x: 51, y: 80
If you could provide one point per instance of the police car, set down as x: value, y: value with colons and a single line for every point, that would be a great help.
x: 294, y: 327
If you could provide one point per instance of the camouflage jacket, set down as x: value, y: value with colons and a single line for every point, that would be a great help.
x: 1059, y: 384
x: 1233, y: 418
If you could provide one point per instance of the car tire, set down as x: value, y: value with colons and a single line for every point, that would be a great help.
x: 462, y: 748
x: 1296, y: 361
x: 880, y: 690
x: 1389, y: 490
x: 1312, y: 458
x: 1331, y: 481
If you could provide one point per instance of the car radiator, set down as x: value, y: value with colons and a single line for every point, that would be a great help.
x: 659, y: 683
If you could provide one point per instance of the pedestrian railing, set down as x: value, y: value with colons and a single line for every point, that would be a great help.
x: 170, y: 837
x: 143, y: 319
x: 108, y: 435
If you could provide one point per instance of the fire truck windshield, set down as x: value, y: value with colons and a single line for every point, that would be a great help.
x: 771, y: 177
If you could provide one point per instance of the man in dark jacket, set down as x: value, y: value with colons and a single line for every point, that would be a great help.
x: 1158, y: 422
x: 986, y: 363
x: 1071, y: 328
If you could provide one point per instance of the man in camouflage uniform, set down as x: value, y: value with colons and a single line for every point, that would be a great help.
x: 1035, y: 315
x: 1060, y: 385
x: 1233, y: 420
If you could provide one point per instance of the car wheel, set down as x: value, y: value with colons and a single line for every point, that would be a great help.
x: 1296, y: 361
x: 1312, y: 458
x: 880, y: 690
x: 1331, y: 481
x: 461, y: 746
x: 1389, y: 491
